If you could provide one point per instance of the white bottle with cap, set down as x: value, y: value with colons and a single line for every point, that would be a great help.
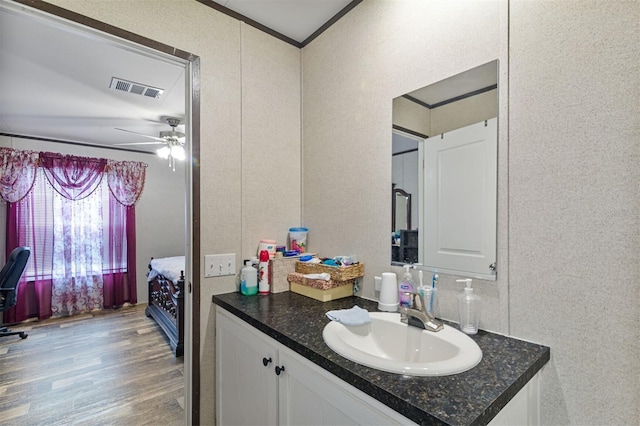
x: 248, y: 279
x: 469, y: 309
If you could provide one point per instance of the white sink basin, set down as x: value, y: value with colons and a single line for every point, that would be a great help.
x: 390, y: 345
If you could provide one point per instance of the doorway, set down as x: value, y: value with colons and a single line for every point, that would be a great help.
x: 102, y: 33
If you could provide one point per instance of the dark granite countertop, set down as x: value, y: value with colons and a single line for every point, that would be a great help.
x: 470, y: 398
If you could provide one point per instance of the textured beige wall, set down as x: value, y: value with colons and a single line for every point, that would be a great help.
x: 250, y: 102
x: 162, y: 187
x: 352, y: 72
x: 464, y: 112
x: 411, y: 116
x: 271, y: 121
x: 448, y: 117
x: 568, y: 189
x: 574, y: 203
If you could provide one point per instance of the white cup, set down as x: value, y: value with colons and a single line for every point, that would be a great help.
x: 388, y: 293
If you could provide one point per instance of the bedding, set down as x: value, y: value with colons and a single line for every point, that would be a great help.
x: 169, y: 267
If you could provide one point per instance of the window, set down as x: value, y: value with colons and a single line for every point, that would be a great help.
x: 50, y: 222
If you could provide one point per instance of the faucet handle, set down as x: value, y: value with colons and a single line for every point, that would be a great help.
x: 417, y: 302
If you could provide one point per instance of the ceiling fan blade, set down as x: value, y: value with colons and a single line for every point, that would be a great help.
x: 141, y: 134
x: 139, y: 143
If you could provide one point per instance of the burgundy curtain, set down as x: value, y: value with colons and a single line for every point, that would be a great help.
x: 34, y: 295
x: 126, y: 182
x: 73, y: 178
x: 119, y: 286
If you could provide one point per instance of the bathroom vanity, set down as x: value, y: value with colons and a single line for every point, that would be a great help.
x: 273, y: 367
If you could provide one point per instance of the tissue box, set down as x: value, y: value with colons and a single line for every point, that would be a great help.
x: 320, y: 289
x: 279, y: 269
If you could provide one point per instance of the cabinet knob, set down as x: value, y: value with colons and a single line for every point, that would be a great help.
x: 266, y: 361
x: 279, y: 370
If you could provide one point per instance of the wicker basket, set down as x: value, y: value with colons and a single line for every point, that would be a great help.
x: 338, y: 273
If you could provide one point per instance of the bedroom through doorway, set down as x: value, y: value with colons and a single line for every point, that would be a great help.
x: 184, y: 180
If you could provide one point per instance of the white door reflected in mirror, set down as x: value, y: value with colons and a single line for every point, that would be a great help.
x: 460, y: 199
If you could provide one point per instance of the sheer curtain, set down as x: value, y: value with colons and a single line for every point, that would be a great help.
x: 77, y: 232
x: 78, y: 216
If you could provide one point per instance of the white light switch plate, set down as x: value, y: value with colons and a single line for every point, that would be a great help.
x: 217, y: 265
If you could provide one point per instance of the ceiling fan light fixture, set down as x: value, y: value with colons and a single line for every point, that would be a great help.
x: 164, y: 152
x: 177, y: 152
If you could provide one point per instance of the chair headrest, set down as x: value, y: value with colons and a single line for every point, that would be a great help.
x: 13, y: 269
x: 20, y: 254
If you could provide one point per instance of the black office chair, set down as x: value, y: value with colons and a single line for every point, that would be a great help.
x: 9, y: 279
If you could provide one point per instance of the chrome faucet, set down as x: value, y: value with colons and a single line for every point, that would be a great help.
x: 417, y: 315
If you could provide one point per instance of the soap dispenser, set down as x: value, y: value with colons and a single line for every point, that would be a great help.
x: 406, y: 286
x: 469, y: 308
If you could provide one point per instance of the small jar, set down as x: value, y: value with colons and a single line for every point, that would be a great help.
x: 268, y: 245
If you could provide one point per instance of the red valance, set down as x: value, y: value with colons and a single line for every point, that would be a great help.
x: 72, y: 177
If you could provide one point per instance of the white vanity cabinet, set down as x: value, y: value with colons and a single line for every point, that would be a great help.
x: 250, y: 393
x: 259, y: 381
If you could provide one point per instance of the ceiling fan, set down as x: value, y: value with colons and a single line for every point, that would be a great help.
x: 172, y: 139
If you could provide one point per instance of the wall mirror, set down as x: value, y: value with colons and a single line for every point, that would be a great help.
x: 445, y: 140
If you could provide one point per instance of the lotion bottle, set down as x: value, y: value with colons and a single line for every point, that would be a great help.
x: 469, y: 309
x: 406, y: 286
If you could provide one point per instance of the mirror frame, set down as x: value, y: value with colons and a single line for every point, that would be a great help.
x: 394, y: 193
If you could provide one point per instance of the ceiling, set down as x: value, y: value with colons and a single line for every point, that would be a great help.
x: 55, y: 80
x: 55, y: 84
x: 295, y: 19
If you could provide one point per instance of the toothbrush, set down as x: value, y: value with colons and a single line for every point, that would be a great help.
x: 420, y: 287
x: 433, y: 287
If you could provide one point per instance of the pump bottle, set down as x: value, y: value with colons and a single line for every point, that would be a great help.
x: 406, y: 286
x: 469, y: 309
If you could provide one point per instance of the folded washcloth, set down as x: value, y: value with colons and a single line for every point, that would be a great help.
x: 322, y: 276
x: 353, y: 316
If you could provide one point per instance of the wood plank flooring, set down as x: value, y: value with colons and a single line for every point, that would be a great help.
x: 104, y: 368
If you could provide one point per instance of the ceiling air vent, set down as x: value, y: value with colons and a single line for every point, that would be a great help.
x: 136, y: 88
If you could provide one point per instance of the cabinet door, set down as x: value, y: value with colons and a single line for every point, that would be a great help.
x: 308, y: 395
x: 246, y: 389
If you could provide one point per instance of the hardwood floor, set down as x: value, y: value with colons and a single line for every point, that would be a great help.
x: 109, y: 367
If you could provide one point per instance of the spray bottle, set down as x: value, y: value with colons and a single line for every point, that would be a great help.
x: 263, y: 272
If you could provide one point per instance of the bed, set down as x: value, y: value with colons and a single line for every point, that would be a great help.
x: 166, y: 298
